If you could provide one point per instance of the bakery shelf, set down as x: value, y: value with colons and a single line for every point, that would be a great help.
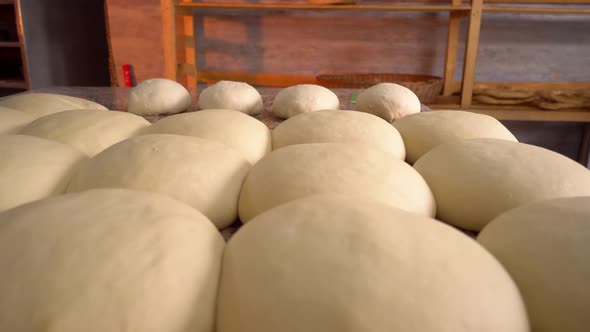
x: 189, y: 5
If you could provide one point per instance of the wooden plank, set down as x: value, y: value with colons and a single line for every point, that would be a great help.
x: 266, y: 79
x: 504, y: 113
x: 452, y: 45
x: 25, y: 84
x: 424, y: 8
x: 168, y: 38
x: 471, y: 48
x: 535, y: 86
x: 537, y: 10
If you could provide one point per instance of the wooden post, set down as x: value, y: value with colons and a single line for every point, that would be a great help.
x: 169, y: 38
x: 471, y: 47
x: 185, y: 51
x: 452, y: 45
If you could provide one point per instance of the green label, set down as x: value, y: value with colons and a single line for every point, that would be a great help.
x: 353, y: 98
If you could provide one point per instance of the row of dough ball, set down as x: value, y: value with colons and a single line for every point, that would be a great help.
x: 161, y: 96
x: 112, y: 259
x: 453, y: 180
x: 84, y: 128
x: 387, y: 100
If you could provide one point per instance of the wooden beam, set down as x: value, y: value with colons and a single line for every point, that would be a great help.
x: 452, y: 45
x: 535, y: 86
x: 520, y: 113
x: 169, y: 38
x: 471, y: 48
x: 538, y: 10
x: 25, y: 84
x: 423, y: 8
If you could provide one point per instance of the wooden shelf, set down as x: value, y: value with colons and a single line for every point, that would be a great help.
x: 424, y: 8
x: 538, y: 10
x: 9, y: 44
x: 14, y: 84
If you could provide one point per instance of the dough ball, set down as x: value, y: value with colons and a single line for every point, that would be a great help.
x: 302, y: 170
x: 339, y: 127
x: 108, y: 260
x: 231, y: 95
x: 12, y: 121
x: 475, y: 180
x: 204, y: 174
x: 389, y: 101
x: 424, y: 131
x: 32, y: 168
x: 158, y: 96
x: 235, y: 129
x: 545, y: 246
x: 303, y: 98
x: 89, y: 131
x: 41, y: 104
x: 328, y: 263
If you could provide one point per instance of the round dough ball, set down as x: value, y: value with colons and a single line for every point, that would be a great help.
x: 41, y: 104
x: 302, y: 170
x: 231, y: 95
x: 204, y: 174
x: 339, y: 127
x: 426, y: 130
x: 108, y: 260
x: 475, y: 180
x: 89, y: 131
x: 328, y: 263
x: 32, y: 168
x: 158, y: 96
x: 235, y: 129
x: 12, y: 121
x: 545, y: 246
x: 303, y: 98
x: 389, y: 101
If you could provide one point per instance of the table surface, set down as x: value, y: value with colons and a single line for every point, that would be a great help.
x: 116, y: 99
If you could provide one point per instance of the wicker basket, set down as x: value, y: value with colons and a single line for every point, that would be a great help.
x: 426, y: 87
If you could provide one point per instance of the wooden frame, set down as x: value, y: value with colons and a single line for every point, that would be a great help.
x: 179, y: 49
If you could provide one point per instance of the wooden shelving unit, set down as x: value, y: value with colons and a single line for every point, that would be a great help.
x: 13, y: 62
x: 179, y: 50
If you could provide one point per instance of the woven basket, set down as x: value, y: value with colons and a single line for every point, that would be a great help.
x: 426, y: 87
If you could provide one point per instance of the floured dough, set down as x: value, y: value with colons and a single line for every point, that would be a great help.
x: 231, y: 95
x: 303, y: 98
x: 41, y: 104
x: 33, y: 168
x: 235, y: 129
x: 158, y: 96
x: 302, y: 170
x: 426, y: 130
x: 204, y: 174
x: 108, y: 260
x: 12, y: 121
x: 389, y: 101
x: 339, y: 127
x: 328, y: 263
x: 475, y: 180
x: 89, y: 131
x: 545, y: 246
